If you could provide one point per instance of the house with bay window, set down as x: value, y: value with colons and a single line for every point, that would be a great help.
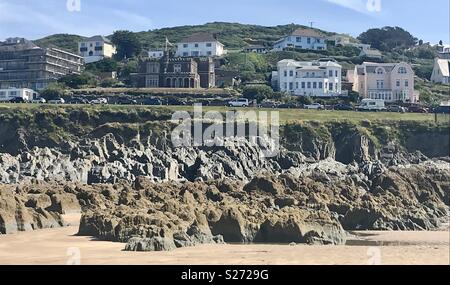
x: 96, y: 48
x: 391, y: 82
x: 313, y: 78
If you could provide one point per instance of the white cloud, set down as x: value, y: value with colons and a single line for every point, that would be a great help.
x: 362, y: 6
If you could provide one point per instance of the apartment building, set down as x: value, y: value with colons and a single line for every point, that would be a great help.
x: 314, y: 78
x: 26, y: 65
x: 390, y: 82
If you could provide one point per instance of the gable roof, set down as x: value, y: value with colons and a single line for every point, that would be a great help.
x: 98, y: 39
x: 200, y: 38
x: 308, y: 33
x: 444, y: 66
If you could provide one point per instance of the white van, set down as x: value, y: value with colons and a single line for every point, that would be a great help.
x: 372, y: 105
x: 241, y: 102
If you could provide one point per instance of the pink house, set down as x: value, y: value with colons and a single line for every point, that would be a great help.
x: 390, y: 82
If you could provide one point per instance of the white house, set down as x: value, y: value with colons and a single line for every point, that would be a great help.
x: 12, y: 93
x: 302, y: 39
x: 200, y: 44
x: 96, y: 48
x: 155, y: 53
x: 315, y: 79
x: 441, y: 71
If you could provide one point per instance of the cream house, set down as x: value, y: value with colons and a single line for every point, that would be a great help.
x: 200, y: 45
x: 390, y: 82
x: 313, y: 78
x: 441, y: 71
x: 96, y: 48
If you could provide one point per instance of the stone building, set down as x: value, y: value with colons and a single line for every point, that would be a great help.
x: 25, y: 65
x: 177, y: 72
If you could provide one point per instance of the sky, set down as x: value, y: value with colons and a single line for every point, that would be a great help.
x: 33, y: 19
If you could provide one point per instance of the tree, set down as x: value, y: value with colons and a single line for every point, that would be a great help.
x: 420, y: 42
x: 127, y: 44
x: 53, y: 91
x: 104, y: 65
x: 77, y: 81
x: 388, y: 38
x: 257, y: 92
x: 441, y: 43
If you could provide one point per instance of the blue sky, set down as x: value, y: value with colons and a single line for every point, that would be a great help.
x: 428, y: 20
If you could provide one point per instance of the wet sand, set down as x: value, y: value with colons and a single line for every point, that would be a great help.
x: 61, y: 246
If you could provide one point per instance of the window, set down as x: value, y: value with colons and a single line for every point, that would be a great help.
x: 380, y: 84
x: 195, y: 53
x: 406, y: 83
x: 313, y: 74
x: 296, y: 85
x: 291, y: 73
x: 330, y: 73
x: 209, y: 53
x: 185, y: 45
x: 208, y: 44
x: 331, y: 87
x: 309, y: 85
x: 303, y: 85
x: 285, y: 85
x: 299, y: 39
x: 314, y: 85
x: 308, y: 40
x: 307, y: 74
x: 177, y: 68
x: 98, y: 44
x: 2, y: 94
x: 83, y: 49
x: 398, y: 83
x: 336, y: 73
x: 285, y: 73
x: 13, y: 93
x: 291, y: 85
x: 379, y: 70
x: 320, y: 85
x: 196, y: 45
x: 98, y: 48
x: 402, y: 70
x: 185, y: 53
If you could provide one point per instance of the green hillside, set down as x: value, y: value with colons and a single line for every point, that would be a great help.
x: 63, y: 41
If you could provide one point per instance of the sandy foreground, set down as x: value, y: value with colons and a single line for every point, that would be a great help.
x: 61, y: 246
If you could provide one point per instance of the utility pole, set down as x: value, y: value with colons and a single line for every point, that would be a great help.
x: 312, y: 24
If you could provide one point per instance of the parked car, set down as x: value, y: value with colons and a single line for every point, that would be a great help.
x: 151, y: 102
x: 268, y: 105
x: 39, y: 101
x: 374, y: 105
x: 442, y: 110
x: 288, y: 106
x: 343, y: 107
x: 314, y: 106
x: 175, y: 102
x: 18, y: 100
x: 396, y: 109
x: 418, y: 109
x: 78, y: 100
x: 99, y: 101
x: 57, y: 101
x: 126, y: 101
x: 241, y: 102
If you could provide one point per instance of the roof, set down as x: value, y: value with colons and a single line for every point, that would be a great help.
x: 17, y: 44
x: 444, y: 66
x: 308, y: 33
x: 98, y: 39
x: 371, y: 67
x: 307, y: 64
x: 371, y: 52
x: 200, y: 38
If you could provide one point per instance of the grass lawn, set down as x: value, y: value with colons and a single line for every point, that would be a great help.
x: 286, y: 115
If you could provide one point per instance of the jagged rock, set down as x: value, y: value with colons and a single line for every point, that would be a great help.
x: 64, y: 204
x: 150, y: 244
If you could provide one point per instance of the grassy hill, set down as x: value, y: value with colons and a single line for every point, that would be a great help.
x: 64, y: 41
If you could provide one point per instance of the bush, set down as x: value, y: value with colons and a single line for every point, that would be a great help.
x: 53, y: 91
x: 257, y: 92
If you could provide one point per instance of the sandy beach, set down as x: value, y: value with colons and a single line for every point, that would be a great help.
x: 61, y: 246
